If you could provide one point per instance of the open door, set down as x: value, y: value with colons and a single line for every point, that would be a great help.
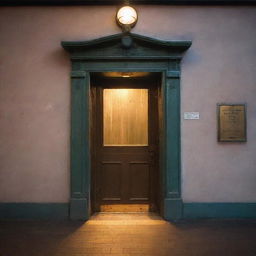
x: 125, y: 166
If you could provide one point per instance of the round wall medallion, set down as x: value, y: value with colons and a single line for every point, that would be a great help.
x: 127, y: 41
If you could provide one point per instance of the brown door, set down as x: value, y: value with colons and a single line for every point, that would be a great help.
x: 126, y: 140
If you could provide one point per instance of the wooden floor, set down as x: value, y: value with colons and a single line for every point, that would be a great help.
x: 128, y: 234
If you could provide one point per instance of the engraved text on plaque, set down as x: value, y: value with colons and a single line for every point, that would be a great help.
x: 231, y: 122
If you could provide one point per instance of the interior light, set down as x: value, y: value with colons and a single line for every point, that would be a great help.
x: 126, y: 74
x: 126, y: 17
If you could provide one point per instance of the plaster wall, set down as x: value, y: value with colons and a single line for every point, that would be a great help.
x: 35, y: 96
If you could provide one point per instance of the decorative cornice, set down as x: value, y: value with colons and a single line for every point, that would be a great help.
x: 177, y: 44
x: 119, y: 2
x: 156, y: 57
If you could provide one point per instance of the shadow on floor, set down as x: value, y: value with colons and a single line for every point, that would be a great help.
x: 126, y: 234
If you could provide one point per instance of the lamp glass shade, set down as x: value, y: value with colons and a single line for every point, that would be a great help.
x: 127, y: 16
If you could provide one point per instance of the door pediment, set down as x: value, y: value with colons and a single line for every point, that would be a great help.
x: 126, y: 46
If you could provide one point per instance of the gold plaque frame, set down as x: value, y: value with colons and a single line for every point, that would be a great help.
x: 231, y: 122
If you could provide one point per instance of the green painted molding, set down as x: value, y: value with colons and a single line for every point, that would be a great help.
x: 173, y: 74
x: 219, y: 210
x: 80, y: 146
x: 38, y: 211
x: 120, y: 2
x: 112, y: 48
x: 78, y: 74
x: 79, y: 135
x: 79, y: 209
x: 174, y: 210
x: 180, y: 45
x: 111, y: 53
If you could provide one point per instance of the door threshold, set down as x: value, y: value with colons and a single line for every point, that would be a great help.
x: 125, y: 208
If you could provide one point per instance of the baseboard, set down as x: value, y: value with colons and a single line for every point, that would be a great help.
x: 38, y: 211
x: 219, y: 210
x: 173, y: 209
x: 79, y: 209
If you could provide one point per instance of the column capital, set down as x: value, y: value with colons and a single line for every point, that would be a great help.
x: 173, y: 74
x: 78, y: 74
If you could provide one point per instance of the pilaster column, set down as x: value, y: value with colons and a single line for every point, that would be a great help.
x: 80, y: 146
x: 172, y: 201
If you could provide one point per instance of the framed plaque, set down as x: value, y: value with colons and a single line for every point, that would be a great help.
x: 231, y: 122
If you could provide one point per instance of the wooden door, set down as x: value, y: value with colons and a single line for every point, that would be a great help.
x: 126, y: 140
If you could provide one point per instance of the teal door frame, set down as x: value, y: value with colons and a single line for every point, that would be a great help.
x: 125, y: 53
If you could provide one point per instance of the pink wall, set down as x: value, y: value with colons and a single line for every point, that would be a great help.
x: 35, y: 96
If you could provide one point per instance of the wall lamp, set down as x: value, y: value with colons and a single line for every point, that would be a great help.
x: 126, y: 18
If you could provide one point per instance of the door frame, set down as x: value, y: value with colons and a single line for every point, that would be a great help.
x: 125, y: 53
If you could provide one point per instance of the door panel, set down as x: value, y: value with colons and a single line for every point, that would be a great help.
x: 111, y: 180
x: 139, y: 181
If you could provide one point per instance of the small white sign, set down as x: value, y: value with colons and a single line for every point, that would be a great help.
x: 191, y: 115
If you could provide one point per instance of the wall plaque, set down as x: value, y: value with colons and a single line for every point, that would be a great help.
x: 231, y: 122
